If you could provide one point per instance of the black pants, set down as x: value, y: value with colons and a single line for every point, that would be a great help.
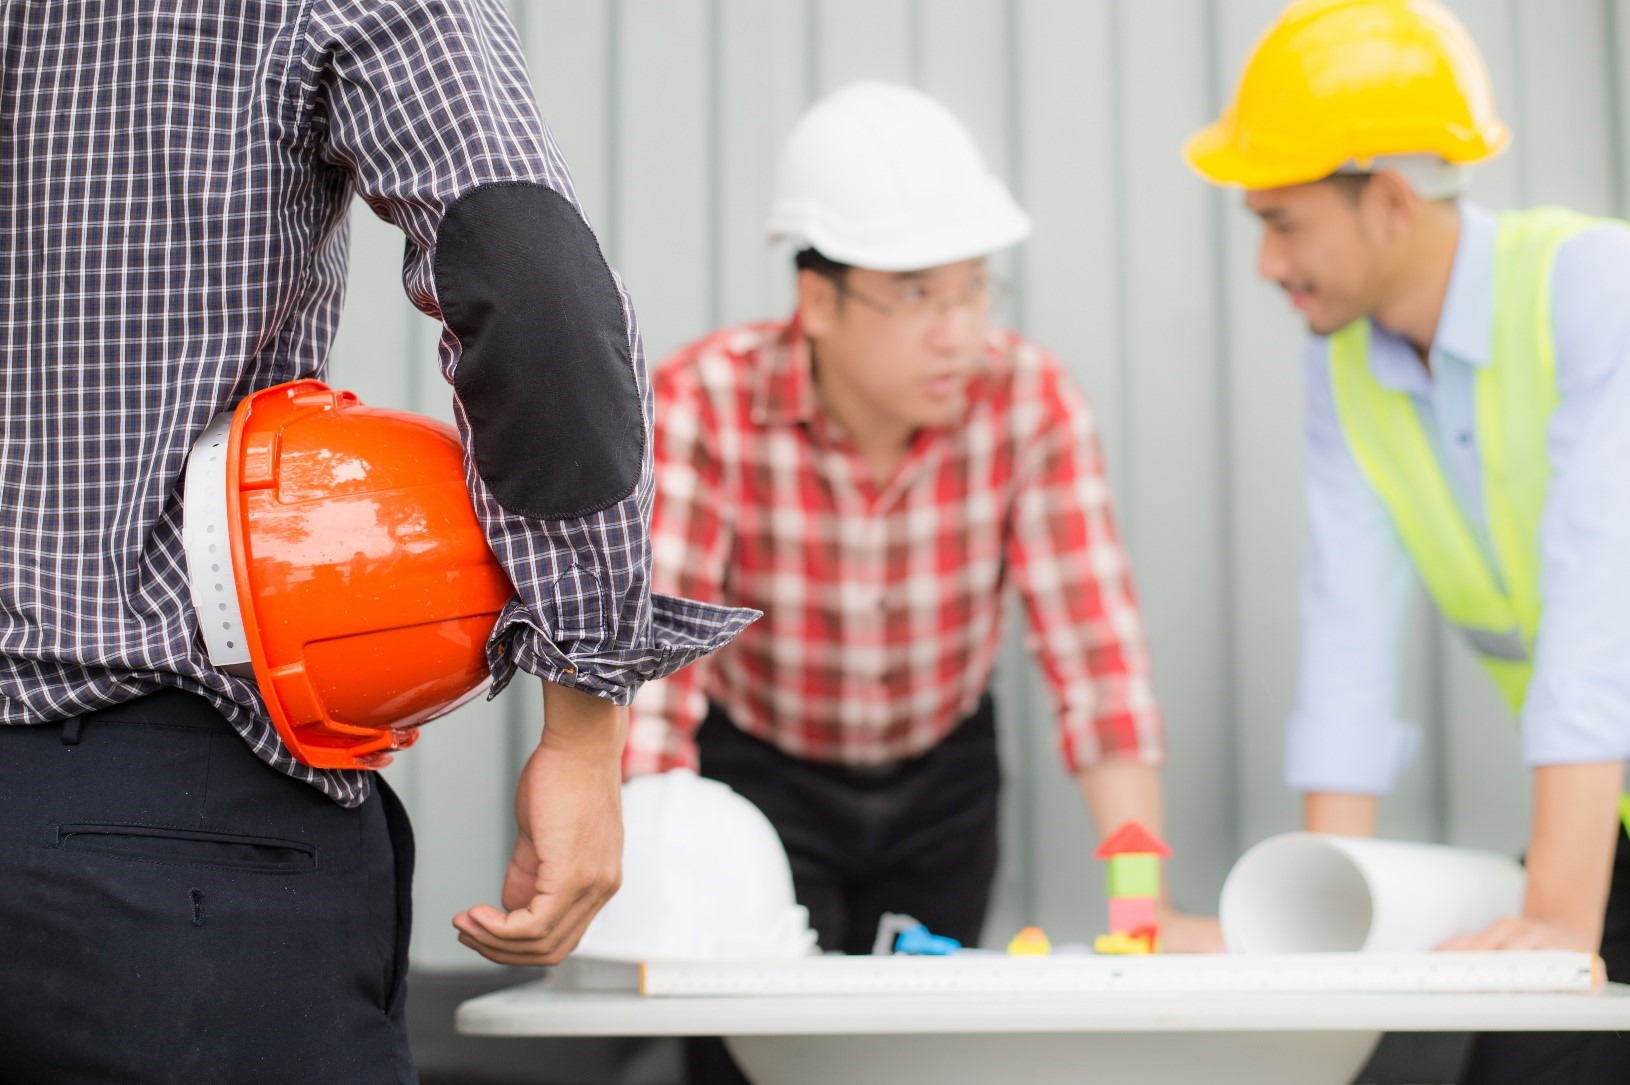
x: 919, y: 838
x: 1567, y: 1058
x: 173, y: 910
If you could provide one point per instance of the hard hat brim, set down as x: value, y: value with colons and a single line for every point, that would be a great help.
x: 999, y: 225
x: 1214, y: 154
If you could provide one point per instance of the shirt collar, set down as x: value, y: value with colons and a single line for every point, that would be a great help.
x: 1466, y: 324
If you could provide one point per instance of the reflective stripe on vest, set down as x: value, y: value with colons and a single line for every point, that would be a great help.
x: 1495, y: 605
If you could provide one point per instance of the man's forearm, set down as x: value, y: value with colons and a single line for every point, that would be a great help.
x: 1342, y: 814
x: 1571, y: 843
x: 580, y: 724
x: 1120, y: 791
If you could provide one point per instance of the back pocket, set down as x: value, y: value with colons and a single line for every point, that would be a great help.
x: 158, y: 844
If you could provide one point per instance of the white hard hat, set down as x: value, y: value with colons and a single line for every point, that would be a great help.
x: 884, y: 177
x: 704, y: 878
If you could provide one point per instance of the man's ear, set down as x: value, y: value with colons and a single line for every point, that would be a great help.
x: 817, y: 303
x: 1392, y: 203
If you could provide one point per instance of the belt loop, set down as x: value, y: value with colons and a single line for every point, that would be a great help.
x: 70, y: 730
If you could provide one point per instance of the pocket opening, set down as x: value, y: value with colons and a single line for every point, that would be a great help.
x: 163, y: 844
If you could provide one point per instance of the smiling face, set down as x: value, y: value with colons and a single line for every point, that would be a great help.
x: 1329, y: 245
x: 897, y: 348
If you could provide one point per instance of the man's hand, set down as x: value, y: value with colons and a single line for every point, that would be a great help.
x: 1523, y: 932
x: 569, y: 841
x: 1181, y: 933
x: 1570, y: 862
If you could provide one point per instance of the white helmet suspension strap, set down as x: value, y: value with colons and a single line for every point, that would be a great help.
x: 205, y: 536
x: 1431, y: 177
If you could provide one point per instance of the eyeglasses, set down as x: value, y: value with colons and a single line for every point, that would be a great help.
x: 917, y: 301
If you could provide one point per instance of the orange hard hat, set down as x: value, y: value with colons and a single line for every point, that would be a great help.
x: 334, y: 554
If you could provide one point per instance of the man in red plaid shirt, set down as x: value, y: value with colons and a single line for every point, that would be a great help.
x: 873, y: 474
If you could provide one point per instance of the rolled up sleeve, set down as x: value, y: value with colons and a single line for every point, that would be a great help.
x: 1084, y: 626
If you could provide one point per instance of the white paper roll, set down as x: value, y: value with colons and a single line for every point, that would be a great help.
x: 1311, y: 893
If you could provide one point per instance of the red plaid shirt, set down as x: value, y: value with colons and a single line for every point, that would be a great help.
x: 883, y: 607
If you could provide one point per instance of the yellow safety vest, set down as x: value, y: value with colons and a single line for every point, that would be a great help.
x: 1497, y: 607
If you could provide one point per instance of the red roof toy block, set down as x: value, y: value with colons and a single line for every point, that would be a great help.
x: 1132, y: 839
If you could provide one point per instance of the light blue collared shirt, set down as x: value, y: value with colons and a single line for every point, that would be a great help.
x: 1345, y: 734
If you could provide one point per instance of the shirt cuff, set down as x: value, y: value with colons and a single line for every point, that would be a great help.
x: 1135, y: 734
x: 1577, y: 724
x: 1347, y: 758
x: 681, y: 632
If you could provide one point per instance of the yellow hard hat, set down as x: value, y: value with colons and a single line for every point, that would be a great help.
x: 1338, y: 81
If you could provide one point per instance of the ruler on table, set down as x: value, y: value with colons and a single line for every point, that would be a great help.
x: 995, y: 974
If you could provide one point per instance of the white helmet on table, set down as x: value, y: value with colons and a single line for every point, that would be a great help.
x: 704, y: 878
x: 884, y: 177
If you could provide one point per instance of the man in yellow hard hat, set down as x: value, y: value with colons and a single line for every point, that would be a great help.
x: 1468, y: 382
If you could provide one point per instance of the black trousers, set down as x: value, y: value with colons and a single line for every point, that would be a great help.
x: 918, y: 838
x: 1567, y: 1058
x: 173, y: 910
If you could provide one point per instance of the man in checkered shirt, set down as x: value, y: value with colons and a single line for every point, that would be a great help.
x: 180, y: 899
x: 873, y: 474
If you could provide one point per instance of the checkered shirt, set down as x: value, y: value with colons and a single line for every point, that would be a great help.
x: 883, y: 607
x: 174, y: 185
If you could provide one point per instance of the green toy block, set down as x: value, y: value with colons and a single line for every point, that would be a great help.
x: 1134, y: 875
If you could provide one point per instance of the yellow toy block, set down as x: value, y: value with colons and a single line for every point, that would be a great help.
x: 1123, y: 944
x: 1030, y: 942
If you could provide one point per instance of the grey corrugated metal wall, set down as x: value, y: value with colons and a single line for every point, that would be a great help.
x: 671, y: 112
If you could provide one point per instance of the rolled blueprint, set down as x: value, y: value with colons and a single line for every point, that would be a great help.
x: 1312, y: 893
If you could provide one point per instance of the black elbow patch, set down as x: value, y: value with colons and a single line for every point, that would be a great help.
x: 545, y: 374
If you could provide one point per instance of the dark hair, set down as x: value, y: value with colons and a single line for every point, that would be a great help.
x: 1351, y: 185
x: 820, y: 264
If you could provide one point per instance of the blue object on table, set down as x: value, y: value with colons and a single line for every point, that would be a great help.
x: 917, y: 941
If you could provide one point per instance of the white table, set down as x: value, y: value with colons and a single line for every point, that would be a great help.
x: 1261, y: 1037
